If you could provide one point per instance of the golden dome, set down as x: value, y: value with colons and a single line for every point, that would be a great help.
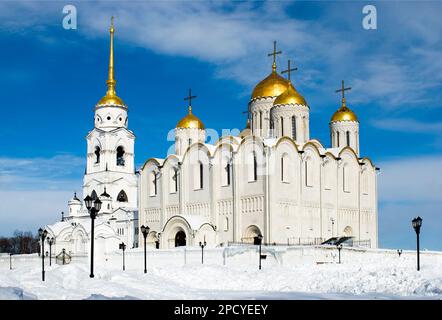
x: 272, y: 86
x: 290, y: 96
x: 111, y: 97
x: 190, y: 122
x: 344, y: 114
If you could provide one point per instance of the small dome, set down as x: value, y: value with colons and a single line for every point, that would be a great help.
x: 113, y: 100
x: 344, y: 114
x: 190, y: 122
x: 290, y: 96
x: 272, y: 86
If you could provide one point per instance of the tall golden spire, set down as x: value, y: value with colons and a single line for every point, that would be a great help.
x: 111, y: 97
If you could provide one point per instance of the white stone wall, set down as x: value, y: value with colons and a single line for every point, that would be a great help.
x: 321, y: 193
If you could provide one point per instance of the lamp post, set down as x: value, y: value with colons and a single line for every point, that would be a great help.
x: 42, y: 235
x: 123, y: 247
x: 202, y: 245
x: 93, y: 207
x: 417, y: 223
x: 399, y: 252
x: 145, y: 232
x: 10, y: 260
x: 339, y: 250
x: 51, y: 241
x: 258, y: 240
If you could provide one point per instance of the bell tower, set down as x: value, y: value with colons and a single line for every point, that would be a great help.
x: 110, y: 147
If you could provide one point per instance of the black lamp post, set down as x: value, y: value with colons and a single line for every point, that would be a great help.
x: 339, y: 250
x: 258, y: 241
x: 93, y: 207
x: 123, y: 247
x: 51, y: 241
x: 42, y: 235
x: 417, y: 223
x: 202, y: 245
x: 145, y: 232
x: 10, y: 260
x: 399, y: 252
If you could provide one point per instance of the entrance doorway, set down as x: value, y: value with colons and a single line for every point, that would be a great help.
x: 180, y: 239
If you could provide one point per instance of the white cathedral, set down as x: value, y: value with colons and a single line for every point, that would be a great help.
x: 270, y: 180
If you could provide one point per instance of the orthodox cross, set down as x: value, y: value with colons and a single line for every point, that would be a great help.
x: 289, y: 70
x: 343, y: 89
x: 274, y: 53
x: 190, y: 97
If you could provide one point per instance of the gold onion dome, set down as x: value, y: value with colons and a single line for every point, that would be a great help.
x: 290, y: 96
x: 344, y: 114
x: 190, y: 122
x: 111, y: 97
x: 272, y: 86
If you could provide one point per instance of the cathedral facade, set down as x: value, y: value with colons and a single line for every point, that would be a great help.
x: 271, y: 180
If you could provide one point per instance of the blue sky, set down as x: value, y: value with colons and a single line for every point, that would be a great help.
x: 51, y: 78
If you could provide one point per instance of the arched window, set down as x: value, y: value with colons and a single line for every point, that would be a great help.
x: 282, y: 126
x: 226, y: 224
x: 97, y: 154
x: 198, y: 176
x: 94, y: 195
x: 284, y: 168
x: 153, y: 183
x: 120, y: 156
x: 122, y: 196
x: 173, y: 181
x: 225, y: 172
x: 346, y: 178
x: 308, y: 174
x: 337, y: 138
x: 252, y: 167
x: 294, y: 128
x: 348, y: 138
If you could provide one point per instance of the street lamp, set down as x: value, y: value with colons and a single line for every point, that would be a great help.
x: 339, y: 250
x: 202, y: 245
x: 145, y: 232
x: 93, y: 207
x: 417, y: 223
x: 258, y: 241
x: 51, y: 241
x: 399, y: 252
x: 42, y: 235
x: 10, y: 260
x: 123, y: 247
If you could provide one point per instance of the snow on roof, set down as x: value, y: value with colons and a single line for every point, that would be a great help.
x: 57, y: 227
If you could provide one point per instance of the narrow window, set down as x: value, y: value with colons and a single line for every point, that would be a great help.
x: 337, y: 137
x: 345, y: 179
x: 97, y: 154
x: 348, y: 138
x: 260, y: 120
x: 120, y: 156
x: 255, y: 167
x: 201, y: 175
x: 282, y: 168
x: 228, y: 173
x: 94, y: 195
x: 308, y: 174
x: 153, y: 184
x: 175, y: 178
x: 226, y: 224
x: 294, y: 128
x: 282, y: 126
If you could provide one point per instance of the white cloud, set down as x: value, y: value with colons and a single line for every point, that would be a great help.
x: 409, y: 125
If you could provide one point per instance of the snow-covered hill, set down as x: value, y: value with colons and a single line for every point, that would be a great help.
x: 230, y: 273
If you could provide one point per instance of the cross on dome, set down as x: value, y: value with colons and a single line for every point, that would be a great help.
x: 274, y: 53
x: 189, y: 98
x: 289, y: 70
x: 342, y: 90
